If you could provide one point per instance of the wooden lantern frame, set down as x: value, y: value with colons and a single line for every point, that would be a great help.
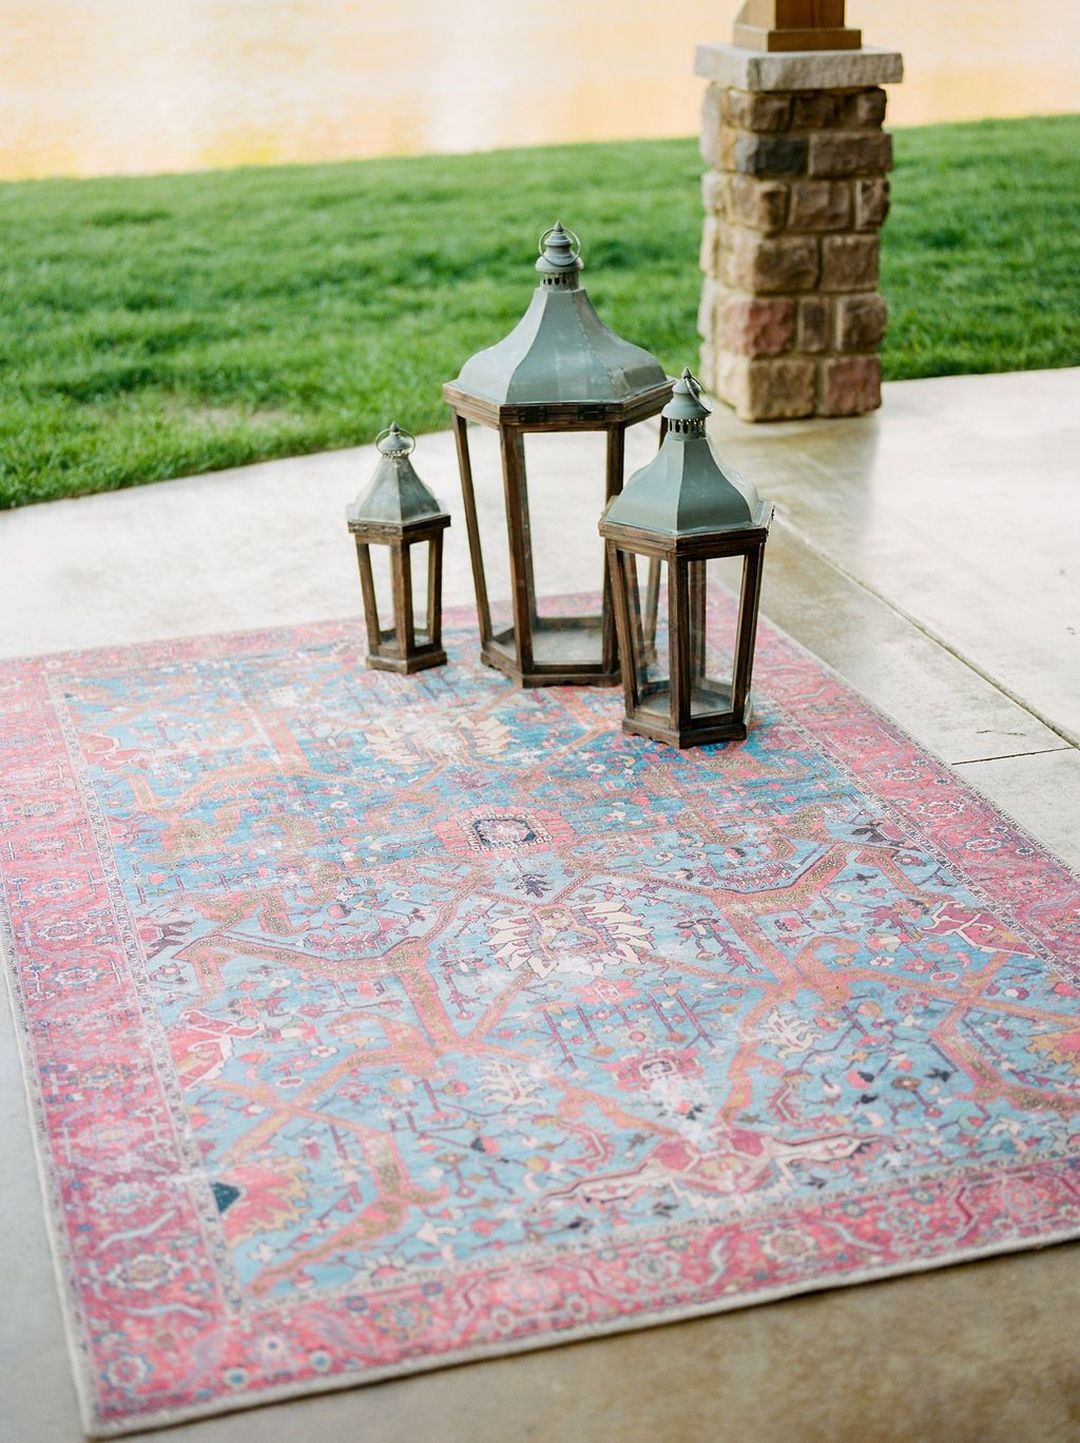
x: 396, y: 648
x: 513, y: 649
x: 396, y: 510
x: 686, y: 558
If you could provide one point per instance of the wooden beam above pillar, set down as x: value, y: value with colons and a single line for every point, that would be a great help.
x: 795, y: 25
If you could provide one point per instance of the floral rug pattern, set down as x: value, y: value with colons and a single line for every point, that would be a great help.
x: 372, y: 1022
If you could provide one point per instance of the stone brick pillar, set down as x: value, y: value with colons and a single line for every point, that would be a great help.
x: 790, y: 316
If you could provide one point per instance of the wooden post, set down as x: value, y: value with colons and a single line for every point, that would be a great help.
x: 746, y: 628
x: 517, y: 512
x: 403, y: 607
x: 795, y: 25
x: 616, y: 454
x: 472, y: 526
x: 696, y: 617
x: 679, y: 642
x: 371, y: 605
x: 434, y: 590
x: 627, y: 620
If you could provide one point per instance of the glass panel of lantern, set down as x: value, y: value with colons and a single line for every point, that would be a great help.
x: 646, y: 656
x: 712, y: 628
x: 398, y: 527
x: 563, y: 556
x: 560, y: 370
x: 687, y: 653
x: 379, y: 590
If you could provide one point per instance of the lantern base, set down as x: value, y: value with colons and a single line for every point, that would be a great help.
x: 563, y: 648
x: 698, y: 732
x: 407, y: 665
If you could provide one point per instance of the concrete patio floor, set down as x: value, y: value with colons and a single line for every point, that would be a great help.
x: 930, y: 554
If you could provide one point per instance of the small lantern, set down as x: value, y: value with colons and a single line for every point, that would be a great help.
x: 399, y: 512
x: 559, y: 369
x: 677, y: 519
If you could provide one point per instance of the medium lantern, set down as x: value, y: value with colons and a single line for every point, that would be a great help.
x: 399, y: 512
x: 559, y: 370
x: 667, y: 534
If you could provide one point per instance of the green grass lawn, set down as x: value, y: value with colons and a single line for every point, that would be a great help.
x: 158, y: 326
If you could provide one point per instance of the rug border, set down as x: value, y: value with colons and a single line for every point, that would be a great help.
x: 1073, y: 871
x: 71, y: 1314
x: 583, y: 1332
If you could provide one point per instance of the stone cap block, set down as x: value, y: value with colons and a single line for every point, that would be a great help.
x: 799, y: 70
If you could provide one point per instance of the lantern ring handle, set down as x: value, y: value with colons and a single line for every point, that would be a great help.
x: 575, y: 243
x: 397, y: 431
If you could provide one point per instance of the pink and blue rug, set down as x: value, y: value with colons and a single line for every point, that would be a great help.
x: 375, y: 1023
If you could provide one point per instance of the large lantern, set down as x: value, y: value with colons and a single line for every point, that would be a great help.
x: 680, y: 520
x: 559, y: 370
x: 398, y: 512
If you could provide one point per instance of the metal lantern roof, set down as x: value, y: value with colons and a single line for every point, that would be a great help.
x: 560, y: 350
x: 684, y: 490
x: 396, y: 496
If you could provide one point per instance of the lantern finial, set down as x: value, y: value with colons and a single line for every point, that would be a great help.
x: 560, y: 257
x: 394, y: 441
x: 687, y: 410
